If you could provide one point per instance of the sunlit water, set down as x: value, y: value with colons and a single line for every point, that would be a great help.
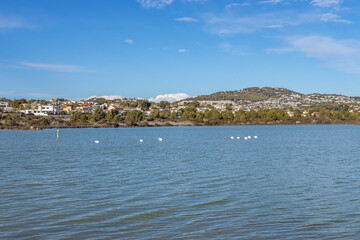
x: 293, y: 182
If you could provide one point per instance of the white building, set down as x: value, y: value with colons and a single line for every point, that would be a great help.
x: 3, y: 104
x: 43, y: 110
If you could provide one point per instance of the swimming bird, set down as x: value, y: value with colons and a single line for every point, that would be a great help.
x: 160, y: 139
x: 141, y: 140
x: 231, y: 137
x: 96, y: 141
x: 255, y: 136
x: 237, y: 137
x: 245, y: 138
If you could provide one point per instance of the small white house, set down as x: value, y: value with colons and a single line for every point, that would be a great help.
x: 3, y: 104
x: 43, y: 110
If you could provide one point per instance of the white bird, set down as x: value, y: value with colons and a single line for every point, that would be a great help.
x: 160, y: 139
x: 237, y: 137
x: 245, y: 138
x: 249, y: 137
x: 255, y: 136
x: 141, y: 140
x: 96, y: 141
x: 231, y: 137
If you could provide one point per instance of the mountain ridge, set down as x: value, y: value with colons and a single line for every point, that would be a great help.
x: 254, y: 94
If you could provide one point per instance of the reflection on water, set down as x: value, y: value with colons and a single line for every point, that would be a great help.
x: 293, y: 182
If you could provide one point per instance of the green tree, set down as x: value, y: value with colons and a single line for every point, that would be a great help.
x: 144, y: 105
x: 173, y: 115
x: 111, y: 116
x: 336, y: 115
x: 164, y: 104
x: 240, y: 116
x: 212, y: 114
x: 155, y: 114
x: 297, y: 114
x: 188, y: 115
x: 200, y: 115
x: 134, y: 116
x: 227, y: 115
x: 101, y: 101
x: 74, y: 116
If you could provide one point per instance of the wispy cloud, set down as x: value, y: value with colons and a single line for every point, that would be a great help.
x: 274, y: 26
x: 154, y: 3
x: 200, y: 1
x: 231, y: 24
x: 186, y: 19
x: 331, y: 17
x: 229, y: 48
x: 182, y: 50
x: 129, y: 41
x: 326, y: 3
x: 163, y: 3
x: 232, y: 5
x: 170, y: 97
x: 11, y: 22
x: 54, y: 67
x: 271, y: 1
x: 340, y: 54
x: 12, y: 94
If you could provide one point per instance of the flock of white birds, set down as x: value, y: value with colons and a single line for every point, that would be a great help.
x: 160, y: 139
x: 246, y: 138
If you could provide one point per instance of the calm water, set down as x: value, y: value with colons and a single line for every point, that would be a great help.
x: 293, y: 182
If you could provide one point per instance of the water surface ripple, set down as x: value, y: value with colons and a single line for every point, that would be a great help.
x: 293, y: 182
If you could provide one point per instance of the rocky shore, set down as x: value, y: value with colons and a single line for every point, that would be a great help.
x: 38, y: 123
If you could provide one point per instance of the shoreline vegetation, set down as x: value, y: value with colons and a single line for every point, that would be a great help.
x: 136, y: 118
x: 250, y: 106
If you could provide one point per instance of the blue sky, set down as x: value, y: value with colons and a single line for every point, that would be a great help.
x: 146, y: 48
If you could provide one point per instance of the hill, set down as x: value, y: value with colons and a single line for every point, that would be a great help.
x: 247, y: 94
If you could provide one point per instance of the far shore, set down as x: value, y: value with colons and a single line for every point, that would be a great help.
x: 172, y: 124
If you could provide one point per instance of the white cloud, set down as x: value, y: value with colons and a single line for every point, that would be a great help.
x: 129, y: 41
x: 108, y: 97
x: 274, y: 26
x: 229, y: 48
x: 330, y: 17
x: 225, y: 46
x: 340, y: 54
x: 186, y: 19
x: 10, y: 22
x: 171, y: 97
x: 326, y: 3
x: 182, y: 50
x: 25, y: 94
x: 271, y: 1
x: 232, y: 24
x: 154, y: 3
x: 55, y: 68
x: 231, y: 5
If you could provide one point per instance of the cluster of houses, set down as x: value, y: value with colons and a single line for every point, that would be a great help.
x: 64, y: 108
x: 292, y: 101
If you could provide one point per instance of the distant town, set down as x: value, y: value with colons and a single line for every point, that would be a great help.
x: 247, y: 106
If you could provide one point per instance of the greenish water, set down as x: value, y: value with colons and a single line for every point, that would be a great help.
x: 293, y: 182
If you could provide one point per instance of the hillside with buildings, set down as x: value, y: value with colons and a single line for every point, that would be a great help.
x: 247, y: 106
x: 272, y: 98
x: 247, y: 94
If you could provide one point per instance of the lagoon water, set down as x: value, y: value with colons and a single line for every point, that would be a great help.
x: 293, y: 182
